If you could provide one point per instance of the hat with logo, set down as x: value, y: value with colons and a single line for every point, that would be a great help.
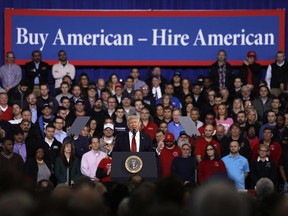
x: 108, y: 125
x: 46, y: 105
x: 79, y: 101
x: 177, y: 74
x: 182, y: 133
x: 251, y: 54
x: 169, y: 137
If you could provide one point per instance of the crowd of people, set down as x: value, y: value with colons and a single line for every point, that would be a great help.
x: 242, y: 123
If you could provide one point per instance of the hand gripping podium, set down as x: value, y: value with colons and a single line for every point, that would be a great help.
x: 125, y: 164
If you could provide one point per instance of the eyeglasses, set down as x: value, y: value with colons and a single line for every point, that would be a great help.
x: 210, y: 149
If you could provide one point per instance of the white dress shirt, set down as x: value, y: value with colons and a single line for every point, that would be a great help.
x: 137, y: 138
x: 269, y: 73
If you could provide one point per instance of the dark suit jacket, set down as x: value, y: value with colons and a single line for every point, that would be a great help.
x: 42, y: 72
x: 122, y: 143
x: 214, y: 76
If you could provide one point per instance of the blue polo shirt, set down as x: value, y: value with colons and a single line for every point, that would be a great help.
x: 236, y: 169
x: 175, y: 102
x: 175, y: 129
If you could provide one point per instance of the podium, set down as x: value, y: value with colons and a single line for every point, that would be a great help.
x: 126, y: 164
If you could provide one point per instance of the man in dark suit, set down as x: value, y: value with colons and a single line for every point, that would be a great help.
x: 134, y: 140
x: 36, y: 71
x: 221, y: 72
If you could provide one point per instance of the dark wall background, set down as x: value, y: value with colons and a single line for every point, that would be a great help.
x: 94, y: 73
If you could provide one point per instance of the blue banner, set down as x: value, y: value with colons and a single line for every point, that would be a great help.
x: 144, y: 37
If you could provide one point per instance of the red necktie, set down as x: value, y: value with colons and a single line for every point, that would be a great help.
x: 133, y: 146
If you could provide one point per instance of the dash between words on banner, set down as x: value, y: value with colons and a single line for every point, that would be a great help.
x: 159, y: 37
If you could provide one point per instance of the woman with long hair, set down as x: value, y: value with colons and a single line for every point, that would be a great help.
x: 159, y: 114
x: 85, y: 132
x: 187, y: 109
x: 211, y: 165
x: 252, y: 120
x: 237, y: 106
x: 166, y: 101
x: 186, y: 87
x: 113, y: 79
x: 92, y: 124
x: 222, y: 117
x: 67, y: 166
x: 83, y: 82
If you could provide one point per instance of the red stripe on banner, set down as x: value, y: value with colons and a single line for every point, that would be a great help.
x: 139, y: 13
x: 145, y: 63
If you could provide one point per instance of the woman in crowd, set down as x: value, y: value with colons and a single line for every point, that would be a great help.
x: 187, y: 109
x: 186, y: 89
x: 86, y: 132
x: 113, y: 79
x: 159, y: 115
x: 166, y: 101
x: 37, y: 168
x: 252, y: 138
x: 221, y: 117
x: 83, y: 82
x: 211, y: 165
x: 67, y: 166
x: 93, y: 130
x: 252, y: 120
x: 237, y: 106
x: 163, y: 126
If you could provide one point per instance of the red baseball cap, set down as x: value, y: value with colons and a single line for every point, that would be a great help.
x: 169, y: 137
x: 118, y: 85
x: 251, y: 54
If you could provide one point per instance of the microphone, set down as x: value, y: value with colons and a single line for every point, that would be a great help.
x: 134, y: 132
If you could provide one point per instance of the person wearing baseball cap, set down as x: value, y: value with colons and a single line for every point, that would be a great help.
x: 176, y: 82
x: 183, y: 138
x: 183, y: 167
x: 46, y: 117
x: 118, y: 92
x: 108, y: 137
x: 250, y: 71
x: 176, y: 73
x: 168, y: 153
x: 79, y: 111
